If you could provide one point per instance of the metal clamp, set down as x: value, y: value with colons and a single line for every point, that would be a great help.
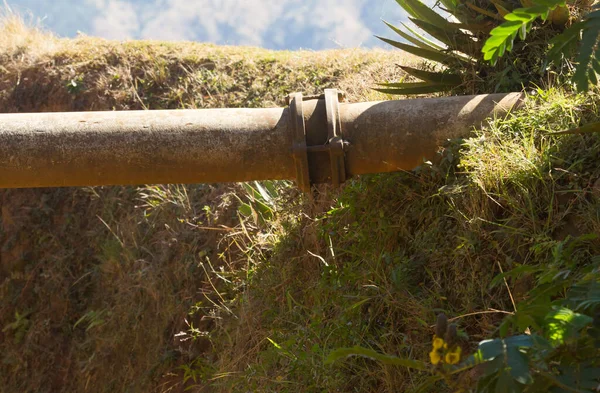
x: 333, y: 147
x: 299, y: 150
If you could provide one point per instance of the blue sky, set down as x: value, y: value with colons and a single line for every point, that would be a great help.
x: 273, y: 24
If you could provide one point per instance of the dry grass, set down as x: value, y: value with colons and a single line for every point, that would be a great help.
x: 95, y: 283
x: 94, y: 74
x: 19, y: 37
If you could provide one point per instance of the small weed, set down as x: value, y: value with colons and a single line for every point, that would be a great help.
x: 92, y: 319
x: 19, y: 327
x: 75, y: 85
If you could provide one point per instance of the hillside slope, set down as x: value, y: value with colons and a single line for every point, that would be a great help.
x: 96, y: 282
x: 169, y: 288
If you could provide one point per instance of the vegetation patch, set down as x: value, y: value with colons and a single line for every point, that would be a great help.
x: 392, y: 251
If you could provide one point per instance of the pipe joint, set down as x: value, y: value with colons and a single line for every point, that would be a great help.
x: 323, y: 161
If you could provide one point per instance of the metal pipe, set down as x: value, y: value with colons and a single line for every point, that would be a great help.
x: 315, y: 137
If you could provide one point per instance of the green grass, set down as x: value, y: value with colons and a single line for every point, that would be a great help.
x: 393, y: 250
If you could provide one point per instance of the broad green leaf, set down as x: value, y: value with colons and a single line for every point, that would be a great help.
x: 263, y: 193
x: 520, y: 341
x: 562, y: 323
x: 264, y: 209
x: 450, y: 5
x: 271, y: 187
x: 251, y: 191
x: 518, y: 364
x: 526, y: 14
x: 341, y: 353
x: 489, y: 349
x: 499, y: 36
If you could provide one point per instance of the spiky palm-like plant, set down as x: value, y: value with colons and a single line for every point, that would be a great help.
x: 473, y: 46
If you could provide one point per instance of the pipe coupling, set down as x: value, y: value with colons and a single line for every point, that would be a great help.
x: 318, y: 162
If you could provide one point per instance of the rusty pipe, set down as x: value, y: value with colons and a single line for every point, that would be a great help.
x: 230, y: 145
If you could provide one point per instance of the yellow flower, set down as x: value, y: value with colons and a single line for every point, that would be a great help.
x: 437, y: 343
x: 435, y: 357
x: 453, y: 357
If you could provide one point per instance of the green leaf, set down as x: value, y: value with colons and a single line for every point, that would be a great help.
x: 415, y: 88
x: 455, y: 40
x: 519, y: 366
x: 592, y: 76
x: 596, y: 65
x: 518, y: 22
x: 490, y: 349
x: 245, y: 210
x: 586, y: 53
x: 422, y: 37
x: 433, y: 77
x: 563, y: 323
x: 585, y: 129
x: 563, y: 43
x: 506, y: 384
x: 517, y: 272
x: 369, y: 353
x: 251, y: 191
x: 496, y: 44
x: 263, y: 193
x: 520, y: 341
x: 433, y: 55
x: 420, y: 11
x: 415, y: 41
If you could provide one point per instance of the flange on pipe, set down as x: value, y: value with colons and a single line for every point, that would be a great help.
x: 315, y: 140
x: 332, y: 150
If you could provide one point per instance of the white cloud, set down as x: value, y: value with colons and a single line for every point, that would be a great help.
x: 117, y: 20
x: 309, y: 23
x: 342, y: 22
